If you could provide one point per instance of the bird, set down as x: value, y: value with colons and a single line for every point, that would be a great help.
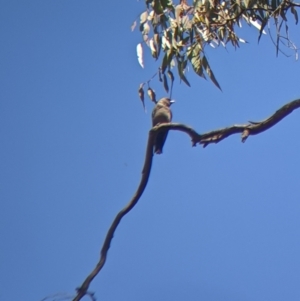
x: 161, y: 114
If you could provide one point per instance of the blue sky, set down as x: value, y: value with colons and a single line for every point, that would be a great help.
x: 220, y: 223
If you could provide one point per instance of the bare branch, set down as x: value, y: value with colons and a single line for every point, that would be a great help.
x: 252, y: 128
x: 83, y: 289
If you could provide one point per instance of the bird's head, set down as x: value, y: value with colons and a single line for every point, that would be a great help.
x: 166, y: 101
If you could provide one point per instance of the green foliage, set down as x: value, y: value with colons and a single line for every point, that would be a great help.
x: 183, y: 31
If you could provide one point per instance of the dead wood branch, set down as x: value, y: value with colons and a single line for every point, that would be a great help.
x: 83, y: 289
x: 252, y: 128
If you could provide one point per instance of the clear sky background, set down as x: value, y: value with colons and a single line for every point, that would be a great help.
x: 214, y: 224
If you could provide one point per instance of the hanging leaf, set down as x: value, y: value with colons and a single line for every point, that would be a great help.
x: 166, y: 3
x: 153, y: 49
x: 143, y: 17
x: 242, y: 40
x: 157, y: 7
x: 282, y: 14
x: 191, y: 36
x: 141, y: 27
x: 133, y: 26
x: 151, y: 95
x: 170, y: 74
x: 294, y: 12
x: 146, y: 38
x: 166, y: 61
x: 209, y: 72
x: 194, y: 57
x: 256, y: 24
x: 142, y: 94
x: 165, y: 82
x: 178, y: 13
x: 165, y: 43
x: 151, y: 15
x: 181, y: 72
x: 261, y: 31
x: 146, y: 28
x: 159, y: 75
x: 157, y: 43
x: 139, y: 52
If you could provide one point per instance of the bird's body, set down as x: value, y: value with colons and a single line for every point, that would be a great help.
x: 161, y: 114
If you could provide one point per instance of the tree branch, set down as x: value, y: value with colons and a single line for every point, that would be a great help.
x: 252, y: 128
x: 83, y: 289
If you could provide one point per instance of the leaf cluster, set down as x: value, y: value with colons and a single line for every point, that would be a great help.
x: 178, y: 34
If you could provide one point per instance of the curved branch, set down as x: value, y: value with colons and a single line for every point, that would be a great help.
x: 83, y: 289
x: 252, y: 128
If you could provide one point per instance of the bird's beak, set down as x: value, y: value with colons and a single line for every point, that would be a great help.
x: 172, y: 101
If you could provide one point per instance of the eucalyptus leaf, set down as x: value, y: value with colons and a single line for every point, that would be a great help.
x: 151, y: 94
x: 133, y: 26
x: 194, y: 58
x: 181, y: 72
x: 166, y: 3
x: 146, y: 28
x: 157, y: 7
x: 157, y: 43
x: 295, y: 13
x: 143, y: 17
x: 141, y: 94
x: 170, y: 74
x: 139, y: 52
x: 209, y: 72
x: 166, y: 61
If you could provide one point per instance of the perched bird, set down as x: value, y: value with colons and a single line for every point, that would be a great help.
x: 161, y: 114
